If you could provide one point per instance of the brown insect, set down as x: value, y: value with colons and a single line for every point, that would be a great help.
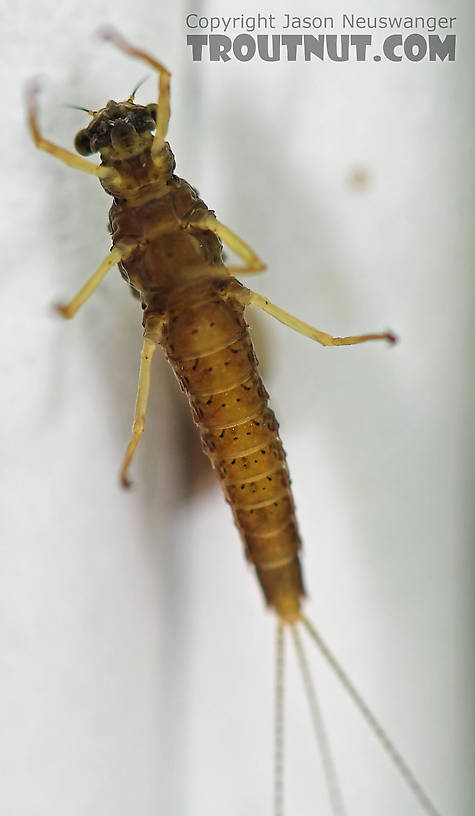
x: 168, y: 246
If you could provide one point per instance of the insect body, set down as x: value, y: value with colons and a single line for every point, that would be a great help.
x: 196, y: 313
x: 168, y: 246
x: 194, y: 308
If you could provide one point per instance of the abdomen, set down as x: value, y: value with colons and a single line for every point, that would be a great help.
x: 208, y: 344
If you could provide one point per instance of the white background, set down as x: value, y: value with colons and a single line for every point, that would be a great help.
x: 136, y: 655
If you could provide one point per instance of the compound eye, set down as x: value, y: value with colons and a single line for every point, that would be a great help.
x: 152, y: 109
x: 82, y: 143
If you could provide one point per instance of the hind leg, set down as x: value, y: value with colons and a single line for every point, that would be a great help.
x: 138, y: 427
x: 249, y: 298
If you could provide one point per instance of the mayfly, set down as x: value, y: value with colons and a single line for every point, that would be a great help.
x: 169, y: 248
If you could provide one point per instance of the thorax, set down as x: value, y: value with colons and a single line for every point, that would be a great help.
x: 170, y: 252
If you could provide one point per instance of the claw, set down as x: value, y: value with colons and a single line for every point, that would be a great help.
x: 62, y: 309
x: 111, y: 34
x: 32, y: 90
x: 106, y: 32
x: 125, y: 482
x: 33, y: 87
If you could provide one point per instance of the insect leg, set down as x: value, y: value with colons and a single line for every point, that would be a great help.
x: 143, y: 390
x: 68, y: 310
x: 163, y: 106
x: 77, y: 162
x: 253, y: 263
x: 248, y: 297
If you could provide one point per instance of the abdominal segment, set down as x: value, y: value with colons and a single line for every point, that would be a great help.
x: 209, y: 347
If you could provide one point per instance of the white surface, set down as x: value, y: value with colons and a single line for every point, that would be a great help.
x: 136, y: 656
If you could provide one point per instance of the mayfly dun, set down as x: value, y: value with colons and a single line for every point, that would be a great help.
x: 169, y: 248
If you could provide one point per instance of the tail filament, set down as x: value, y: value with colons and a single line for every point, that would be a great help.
x: 279, y: 723
x: 403, y: 768
x: 331, y: 778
